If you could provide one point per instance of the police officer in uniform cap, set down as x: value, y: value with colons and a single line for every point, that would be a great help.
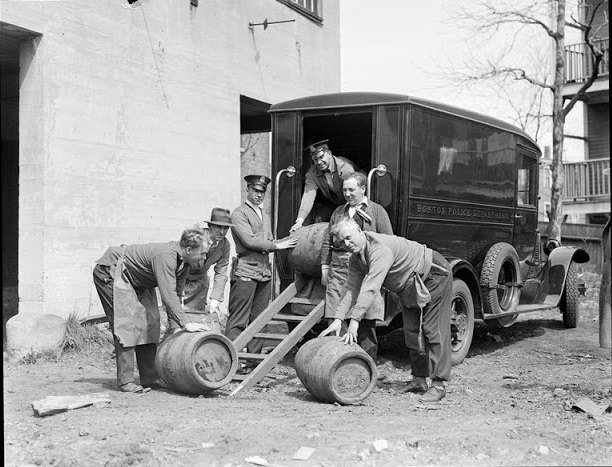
x: 325, y: 175
x: 250, y: 287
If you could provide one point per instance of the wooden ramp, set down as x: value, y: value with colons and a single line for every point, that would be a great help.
x: 272, y: 315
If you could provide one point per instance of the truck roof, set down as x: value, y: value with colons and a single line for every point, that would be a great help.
x: 366, y: 99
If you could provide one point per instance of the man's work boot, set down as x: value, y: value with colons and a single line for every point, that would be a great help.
x: 435, y: 393
x: 417, y: 385
x: 157, y: 384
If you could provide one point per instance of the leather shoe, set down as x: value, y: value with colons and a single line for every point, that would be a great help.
x: 133, y: 387
x: 156, y: 384
x: 434, y: 394
x: 417, y: 385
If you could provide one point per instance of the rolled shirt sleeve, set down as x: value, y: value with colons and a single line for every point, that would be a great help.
x: 309, y: 196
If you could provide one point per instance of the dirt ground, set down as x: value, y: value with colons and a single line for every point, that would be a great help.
x: 509, y: 403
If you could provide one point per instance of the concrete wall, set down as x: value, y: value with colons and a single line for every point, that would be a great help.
x: 129, y: 122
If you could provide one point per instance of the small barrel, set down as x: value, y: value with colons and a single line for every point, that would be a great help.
x: 196, y: 362
x: 306, y: 256
x: 333, y: 371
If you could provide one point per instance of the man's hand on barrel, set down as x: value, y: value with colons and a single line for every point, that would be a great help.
x: 286, y: 243
x: 351, y: 335
x: 298, y: 224
x: 213, y: 306
x: 335, y: 326
x: 195, y: 327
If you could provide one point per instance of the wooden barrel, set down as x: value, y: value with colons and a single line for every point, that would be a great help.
x: 333, y: 371
x: 196, y: 362
x: 306, y: 256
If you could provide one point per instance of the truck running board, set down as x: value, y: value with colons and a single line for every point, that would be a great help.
x: 520, y: 309
x: 265, y: 362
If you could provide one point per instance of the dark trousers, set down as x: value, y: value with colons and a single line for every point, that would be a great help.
x: 247, y: 299
x: 435, y: 361
x: 366, y: 336
x: 144, y: 354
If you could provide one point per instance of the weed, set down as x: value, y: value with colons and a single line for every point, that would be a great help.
x: 84, y: 337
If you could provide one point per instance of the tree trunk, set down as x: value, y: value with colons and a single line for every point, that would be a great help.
x: 556, y: 201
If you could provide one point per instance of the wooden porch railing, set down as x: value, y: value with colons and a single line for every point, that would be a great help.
x: 586, y: 180
x: 579, y: 61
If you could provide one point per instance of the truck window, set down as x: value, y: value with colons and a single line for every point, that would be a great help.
x: 461, y: 160
x: 526, y: 181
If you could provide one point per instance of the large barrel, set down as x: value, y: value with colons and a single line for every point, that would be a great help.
x: 333, y: 371
x: 196, y: 362
x: 306, y: 256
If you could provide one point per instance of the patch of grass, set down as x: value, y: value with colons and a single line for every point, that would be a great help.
x: 31, y: 358
x: 84, y: 337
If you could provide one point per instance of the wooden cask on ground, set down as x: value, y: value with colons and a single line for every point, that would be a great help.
x: 196, y: 362
x: 335, y: 372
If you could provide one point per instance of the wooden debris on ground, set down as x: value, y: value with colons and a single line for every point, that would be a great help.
x: 51, y: 405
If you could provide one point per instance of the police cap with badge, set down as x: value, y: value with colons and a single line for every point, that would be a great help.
x: 258, y: 181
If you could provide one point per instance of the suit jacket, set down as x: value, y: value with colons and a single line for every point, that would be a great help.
x: 316, y: 180
x: 219, y: 256
x: 254, y: 242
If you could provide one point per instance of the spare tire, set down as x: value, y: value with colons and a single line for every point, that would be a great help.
x: 500, y: 281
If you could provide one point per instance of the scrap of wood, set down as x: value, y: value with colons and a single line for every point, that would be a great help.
x: 51, y: 405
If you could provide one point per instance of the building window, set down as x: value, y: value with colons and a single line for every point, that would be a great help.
x: 309, y: 8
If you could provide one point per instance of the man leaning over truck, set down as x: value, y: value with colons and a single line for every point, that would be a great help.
x: 422, y: 279
x: 325, y: 176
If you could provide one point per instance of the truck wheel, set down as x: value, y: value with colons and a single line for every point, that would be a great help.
x: 462, y: 321
x: 499, y: 279
x: 570, y: 299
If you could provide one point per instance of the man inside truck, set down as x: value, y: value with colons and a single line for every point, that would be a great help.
x: 370, y: 217
x: 422, y: 279
x: 325, y: 176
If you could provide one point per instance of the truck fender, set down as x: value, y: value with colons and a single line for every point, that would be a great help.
x: 465, y: 271
x: 553, y: 275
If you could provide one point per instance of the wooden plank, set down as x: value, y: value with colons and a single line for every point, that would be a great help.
x: 269, y: 335
x: 282, y: 349
x: 55, y: 404
x: 266, y: 315
x: 282, y: 317
x: 304, y: 301
x: 251, y: 356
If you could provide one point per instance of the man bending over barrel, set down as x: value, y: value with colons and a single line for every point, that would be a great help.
x: 370, y: 217
x: 422, y: 278
x: 125, y: 278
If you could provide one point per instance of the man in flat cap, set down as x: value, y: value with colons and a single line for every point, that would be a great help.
x: 325, y: 175
x: 250, y: 287
x: 197, y: 282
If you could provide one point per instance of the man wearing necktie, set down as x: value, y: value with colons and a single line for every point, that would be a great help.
x: 251, y: 273
x: 370, y: 217
x: 325, y: 175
